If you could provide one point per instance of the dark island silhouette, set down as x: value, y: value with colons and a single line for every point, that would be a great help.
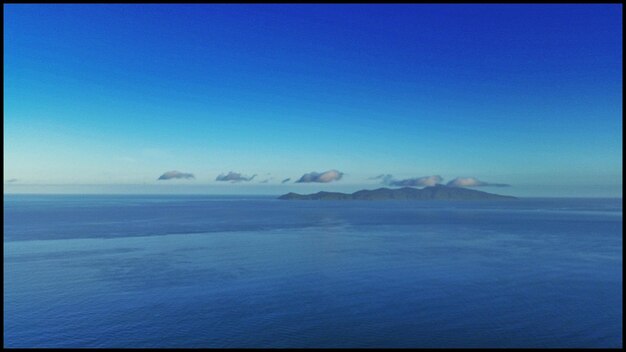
x: 437, y: 192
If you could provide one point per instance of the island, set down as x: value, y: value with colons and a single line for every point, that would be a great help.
x: 437, y: 192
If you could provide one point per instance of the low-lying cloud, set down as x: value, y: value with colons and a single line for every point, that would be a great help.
x: 423, y: 181
x: 11, y: 180
x: 473, y: 182
x: 324, y: 177
x: 286, y: 180
x: 170, y: 175
x: 385, y: 178
x: 234, y: 177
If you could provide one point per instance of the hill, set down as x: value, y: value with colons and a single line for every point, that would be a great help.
x: 438, y: 192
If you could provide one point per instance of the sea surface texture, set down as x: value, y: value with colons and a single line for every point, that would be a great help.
x: 200, y: 271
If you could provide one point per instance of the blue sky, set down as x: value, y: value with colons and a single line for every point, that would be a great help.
x: 107, y: 98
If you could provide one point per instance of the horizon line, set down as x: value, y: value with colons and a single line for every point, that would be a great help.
x: 245, y: 195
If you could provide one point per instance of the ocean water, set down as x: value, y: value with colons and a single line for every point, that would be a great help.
x: 201, y: 271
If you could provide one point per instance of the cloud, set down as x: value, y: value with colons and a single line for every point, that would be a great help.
x: 324, y: 177
x: 175, y: 174
x: 386, y: 178
x: 424, y: 181
x: 234, y: 177
x: 473, y: 182
x: 411, y: 182
x: 11, y: 180
x: 286, y: 180
x: 378, y: 177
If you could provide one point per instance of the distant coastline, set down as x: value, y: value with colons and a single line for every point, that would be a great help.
x: 437, y: 192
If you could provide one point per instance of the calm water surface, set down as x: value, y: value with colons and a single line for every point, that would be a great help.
x: 200, y: 271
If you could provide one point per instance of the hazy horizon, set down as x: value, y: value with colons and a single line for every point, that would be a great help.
x: 276, y: 190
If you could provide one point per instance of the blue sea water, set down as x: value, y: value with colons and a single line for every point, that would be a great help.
x: 201, y: 271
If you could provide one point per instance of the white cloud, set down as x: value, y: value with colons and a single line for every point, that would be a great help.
x: 473, y: 182
x: 234, y: 177
x: 324, y: 177
x: 423, y: 181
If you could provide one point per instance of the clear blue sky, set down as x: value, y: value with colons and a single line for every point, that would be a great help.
x: 112, y: 96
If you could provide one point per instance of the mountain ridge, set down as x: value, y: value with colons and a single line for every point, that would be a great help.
x: 437, y: 192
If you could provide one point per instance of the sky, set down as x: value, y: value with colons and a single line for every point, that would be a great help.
x: 235, y: 99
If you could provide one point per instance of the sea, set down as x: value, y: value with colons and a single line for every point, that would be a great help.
x: 253, y: 271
